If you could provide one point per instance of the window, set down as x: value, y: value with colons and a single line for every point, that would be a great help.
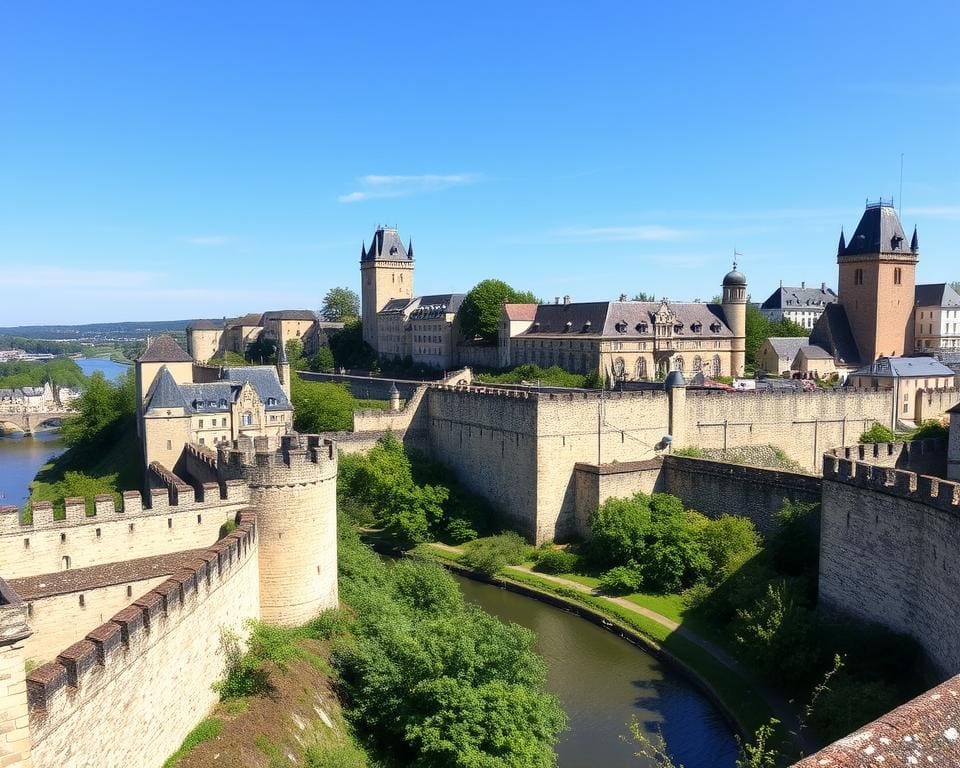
x: 200, y: 424
x: 223, y: 422
x: 858, y: 277
x: 716, y: 365
x: 63, y: 538
x: 169, y: 445
x: 642, y: 368
x: 65, y: 563
x: 202, y: 441
x: 98, y: 533
x: 247, y: 419
x: 897, y: 276
x: 169, y: 522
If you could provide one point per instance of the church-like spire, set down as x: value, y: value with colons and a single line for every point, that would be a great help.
x: 363, y: 250
x: 410, y: 249
x: 914, y: 246
x: 843, y: 243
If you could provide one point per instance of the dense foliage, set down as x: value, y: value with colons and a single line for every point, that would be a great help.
x: 759, y: 329
x: 349, y: 349
x: 430, y: 681
x: 878, y: 434
x: 340, y: 304
x: 654, y: 543
x: 482, y: 307
x: 322, y: 406
x: 550, y: 560
x: 494, y: 553
x: 554, y: 376
x: 101, y: 412
x: 930, y: 429
x: 415, y: 501
x: 61, y: 371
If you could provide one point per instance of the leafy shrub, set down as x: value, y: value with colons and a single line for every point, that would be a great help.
x: 557, y: 561
x: 728, y: 542
x: 243, y: 673
x: 492, y: 554
x: 228, y: 527
x: 343, y: 756
x: 930, y: 429
x: 622, y: 580
x: 877, y: 434
x: 795, y: 547
x: 848, y: 703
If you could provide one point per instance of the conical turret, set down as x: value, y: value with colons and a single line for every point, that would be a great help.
x: 914, y: 243
x: 843, y: 244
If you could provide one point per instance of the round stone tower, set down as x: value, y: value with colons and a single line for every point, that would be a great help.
x: 735, y: 312
x: 293, y: 491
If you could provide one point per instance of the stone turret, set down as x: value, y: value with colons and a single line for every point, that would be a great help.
x: 293, y: 492
x: 283, y: 368
x: 394, y: 398
x: 735, y: 311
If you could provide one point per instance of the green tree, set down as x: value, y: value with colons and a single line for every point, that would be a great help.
x: 644, y: 296
x: 758, y: 329
x: 483, y: 305
x: 321, y: 406
x: 262, y: 351
x: 877, y: 434
x: 294, y: 349
x: 99, y: 411
x: 728, y: 542
x: 493, y: 554
x: 349, y: 349
x: 322, y: 361
x: 340, y: 304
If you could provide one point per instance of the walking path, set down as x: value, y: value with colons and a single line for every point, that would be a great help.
x: 781, y: 707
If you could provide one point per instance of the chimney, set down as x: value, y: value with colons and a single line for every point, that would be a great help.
x: 803, y: 284
x: 566, y: 299
x: 823, y: 287
x: 556, y: 299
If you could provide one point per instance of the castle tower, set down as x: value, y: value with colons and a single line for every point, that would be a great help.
x: 877, y: 283
x: 386, y: 272
x: 735, y: 312
x: 293, y: 492
x: 283, y: 369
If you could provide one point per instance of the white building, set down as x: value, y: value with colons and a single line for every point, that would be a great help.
x: 802, y: 305
x: 936, y: 317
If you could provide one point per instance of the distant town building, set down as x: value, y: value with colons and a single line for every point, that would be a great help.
x: 777, y: 353
x: 904, y: 375
x: 207, y: 339
x: 936, y: 317
x: 802, y: 305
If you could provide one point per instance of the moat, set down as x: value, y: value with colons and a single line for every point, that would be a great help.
x: 602, y: 682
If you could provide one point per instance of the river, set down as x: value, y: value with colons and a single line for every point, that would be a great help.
x: 602, y: 681
x: 21, y: 457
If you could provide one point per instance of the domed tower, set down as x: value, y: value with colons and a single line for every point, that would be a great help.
x: 293, y: 492
x: 735, y: 312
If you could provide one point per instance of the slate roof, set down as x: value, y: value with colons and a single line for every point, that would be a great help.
x: 437, y: 305
x: 164, y: 349
x: 396, y: 305
x: 813, y: 352
x: 954, y: 409
x: 625, y: 319
x: 787, y: 346
x: 263, y: 378
x: 249, y: 320
x: 386, y: 246
x: 936, y: 295
x: 213, y: 397
x: 165, y: 393
x: 517, y: 312
x: 796, y: 298
x: 879, y: 231
x: 900, y: 367
x: 832, y: 333
x: 204, y: 325
x: 290, y: 314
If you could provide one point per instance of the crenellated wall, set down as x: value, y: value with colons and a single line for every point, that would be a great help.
x: 131, y: 531
x: 128, y: 693
x: 934, y: 403
x: 890, y: 545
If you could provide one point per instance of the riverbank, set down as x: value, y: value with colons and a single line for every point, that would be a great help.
x: 746, y: 702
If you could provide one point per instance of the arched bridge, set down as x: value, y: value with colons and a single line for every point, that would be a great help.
x: 29, y: 422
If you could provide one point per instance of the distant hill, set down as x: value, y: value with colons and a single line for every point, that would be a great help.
x: 98, y: 332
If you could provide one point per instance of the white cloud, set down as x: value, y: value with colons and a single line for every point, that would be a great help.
x: 641, y: 233
x: 380, y: 186
x: 209, y: 240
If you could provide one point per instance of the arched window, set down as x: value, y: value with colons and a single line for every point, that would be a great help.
x: 716, y: 365
x: 619, y: 368
x: 663, y: 368
x: 247, y: 418
x: 678, y: 363
x: 697, y: 364
x: 642, y: 368
x: 65, y: 563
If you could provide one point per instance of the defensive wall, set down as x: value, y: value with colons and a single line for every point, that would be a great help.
x: 146, y: 674
x: 890, y: 544
x: 113, y: 533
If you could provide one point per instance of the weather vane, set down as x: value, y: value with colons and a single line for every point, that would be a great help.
x: 735, y: 254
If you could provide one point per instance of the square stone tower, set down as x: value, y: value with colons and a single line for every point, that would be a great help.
x: 877, y: 282
x: 386, y: 272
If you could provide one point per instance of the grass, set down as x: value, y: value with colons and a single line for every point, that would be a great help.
x: 114, y: 470
x: 207, y: 730
x: 371, y: 405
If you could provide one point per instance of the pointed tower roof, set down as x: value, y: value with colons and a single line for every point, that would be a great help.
x: 386, y: 246
x: 164, y: 349
x: 410, y: 249
x: 879, y: 231
x: 165, y: 392
x: 843, y: 244
x: 914, y: 243
x: 282, y: 355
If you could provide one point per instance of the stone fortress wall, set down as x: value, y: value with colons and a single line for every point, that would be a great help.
x: 146, y: 671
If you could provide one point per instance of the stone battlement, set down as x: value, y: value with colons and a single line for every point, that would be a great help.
x: 293, y: 453
x: 85, y: 663
x: 852, y: 466
x: 161, y: 501
x: 565, y: 396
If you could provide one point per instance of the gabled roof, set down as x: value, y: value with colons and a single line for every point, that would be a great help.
x: 250, y: 319
x: 798, y: 298
x: 954, y: 409
x: 437, y: 305
x: 812, y: 352
x: 263, y: 378
x: 879, y: 231
x: 164, y: 349
x: 627, y: 319
x: 395, y: 306
x: 787, y: 346
x: 386, y: 246
x: 289, y: 314
x: 936, y: 295
x: 832, y: 332
x: 520, y: 312
x: 899, y: 367
x: 165, y: 392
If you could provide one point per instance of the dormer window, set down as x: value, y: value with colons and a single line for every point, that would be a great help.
x: 223, y: 403
x: 715, y: 327
x: 678, y: 328
x: 641, y: 327
x: 696, y: 327
x: 588, y: 324
x: 567, y: 325
x: 621, y: 326
x: 895, y: 242
x: 198, y: 405
x: 271, y: 401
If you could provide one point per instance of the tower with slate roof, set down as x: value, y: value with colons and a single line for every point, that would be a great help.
x: 877, y: 269
x: 386, y: 272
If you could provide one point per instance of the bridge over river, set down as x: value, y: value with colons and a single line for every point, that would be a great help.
x: 29, y: 422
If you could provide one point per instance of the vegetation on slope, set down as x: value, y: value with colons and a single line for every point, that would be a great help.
x: 61, y: 371
x: 554, y: 376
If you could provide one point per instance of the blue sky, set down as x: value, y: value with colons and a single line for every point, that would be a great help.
x: 176, y: 160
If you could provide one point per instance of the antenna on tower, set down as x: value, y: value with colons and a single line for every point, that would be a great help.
x: 735, y: 254
x: 900, y: 199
